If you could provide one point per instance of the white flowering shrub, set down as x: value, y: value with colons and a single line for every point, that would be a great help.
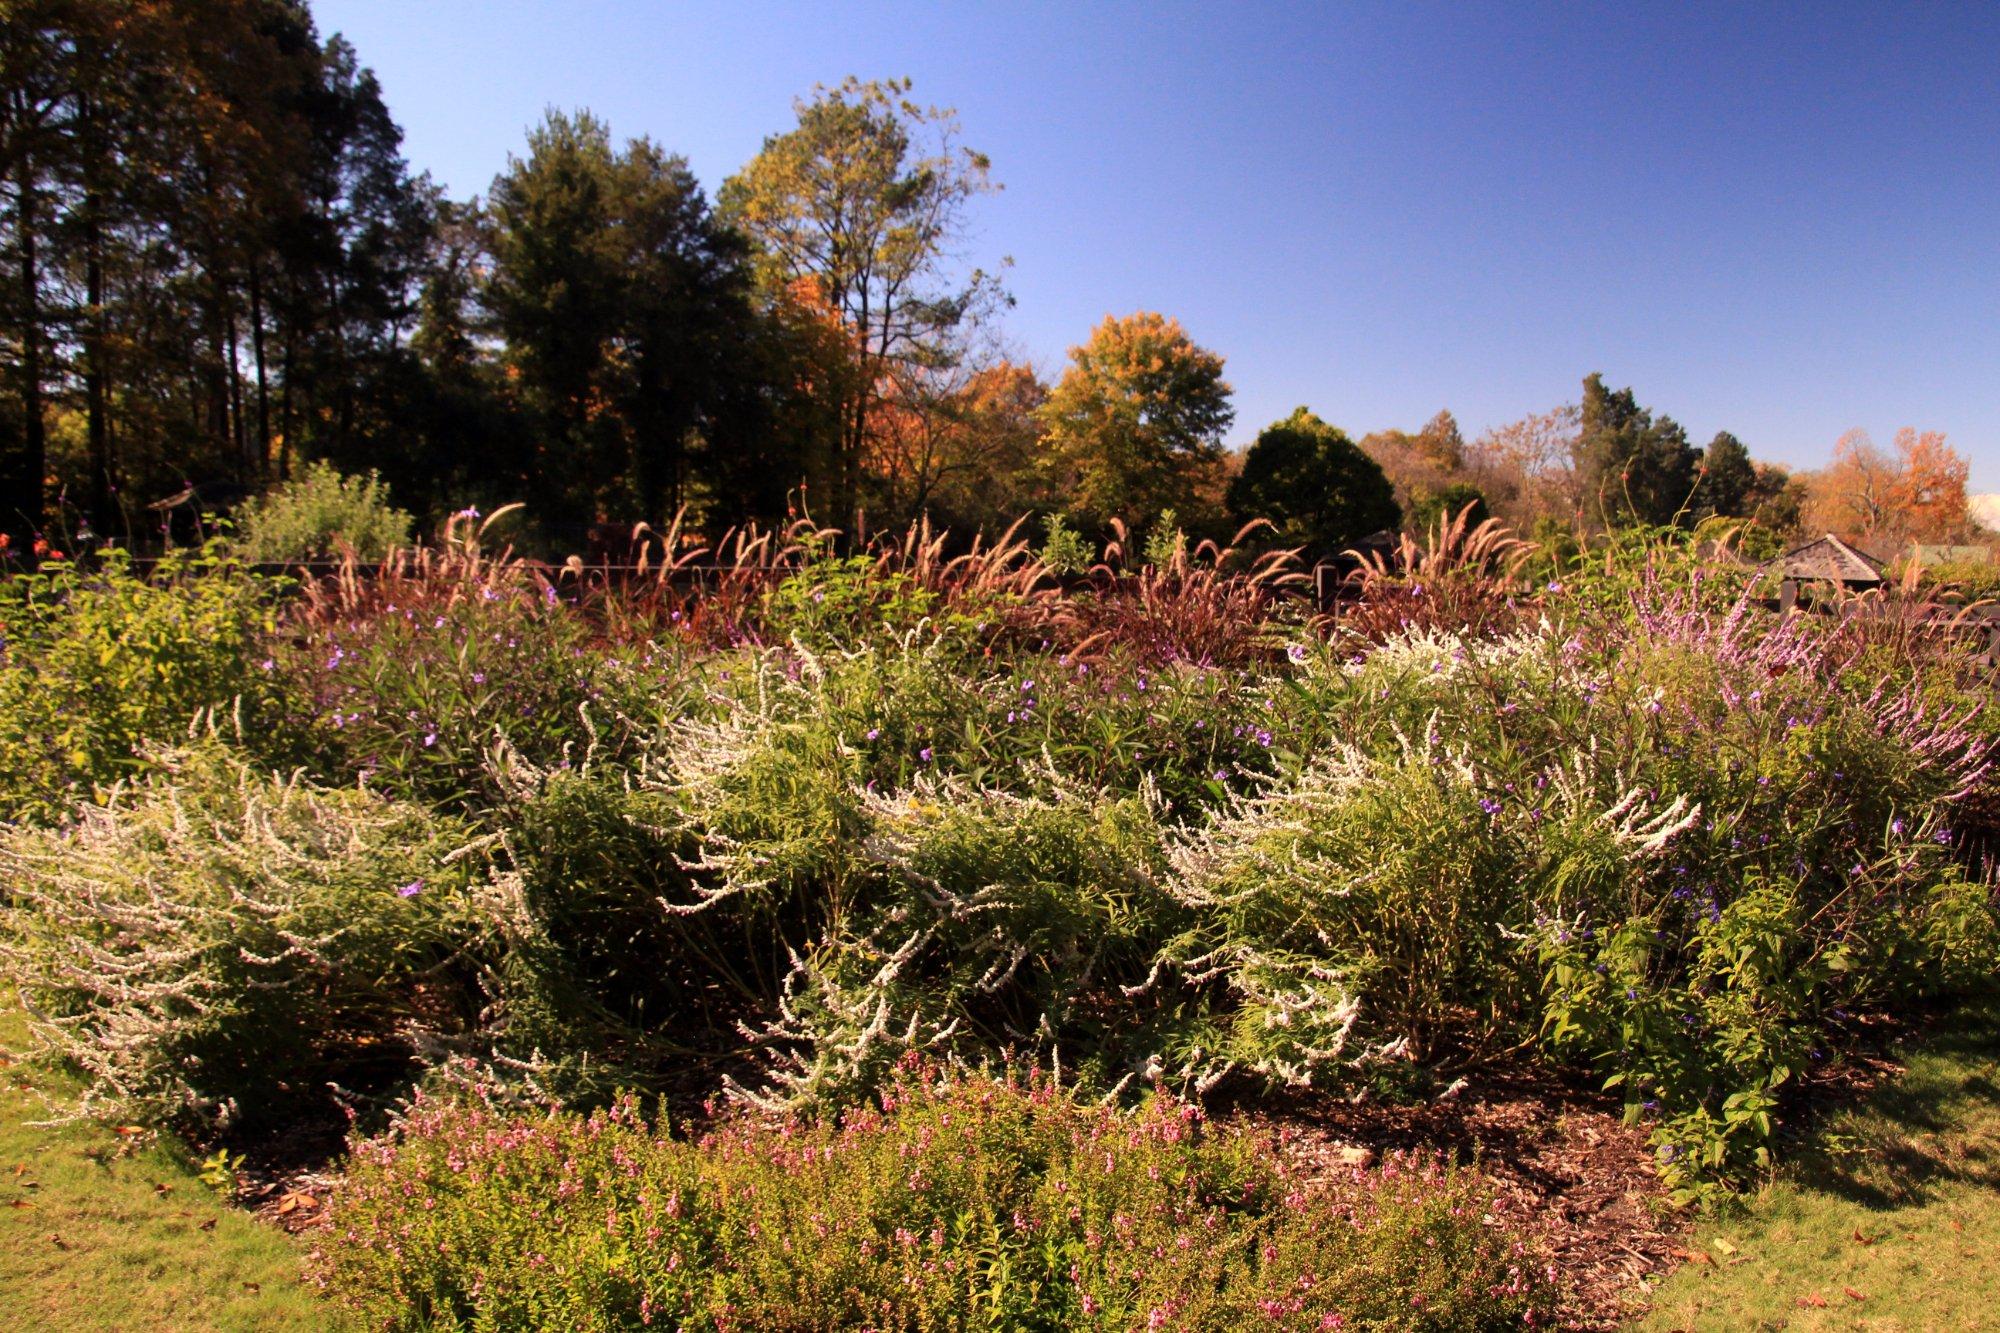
x: 993, y: 922
x: 216, y: 944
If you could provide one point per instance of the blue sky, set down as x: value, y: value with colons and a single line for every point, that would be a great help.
x: 1778, y: 220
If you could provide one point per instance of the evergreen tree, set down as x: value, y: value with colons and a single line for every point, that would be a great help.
x: 1727, y: 479
x: 1315, y: 485
x: 1638, y: 468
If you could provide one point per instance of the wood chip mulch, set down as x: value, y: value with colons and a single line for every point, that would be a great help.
x: 1560, y: 1158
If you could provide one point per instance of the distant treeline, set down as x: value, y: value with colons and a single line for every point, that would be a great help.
x: 218, y: 266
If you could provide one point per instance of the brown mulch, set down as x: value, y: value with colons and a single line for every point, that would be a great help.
x: 1560, y: 1159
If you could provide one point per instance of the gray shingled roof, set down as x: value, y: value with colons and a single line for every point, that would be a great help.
x: 1830, y: 559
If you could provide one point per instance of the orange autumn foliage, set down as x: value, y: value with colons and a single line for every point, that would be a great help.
x: 1884, y: 501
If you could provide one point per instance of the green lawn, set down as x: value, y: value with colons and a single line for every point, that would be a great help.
x: 96, y: 1233
x: 1891, y: 1221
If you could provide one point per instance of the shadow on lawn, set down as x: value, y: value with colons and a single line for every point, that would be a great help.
x: 1937, y: 1125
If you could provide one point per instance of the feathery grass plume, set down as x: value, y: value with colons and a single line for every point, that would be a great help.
x: 1460, y: 577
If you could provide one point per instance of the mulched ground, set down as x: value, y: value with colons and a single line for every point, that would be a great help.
x: 1560, y: 1158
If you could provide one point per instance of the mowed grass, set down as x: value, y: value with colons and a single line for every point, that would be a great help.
x: 1889, y: 1221
x: 100, y: 1233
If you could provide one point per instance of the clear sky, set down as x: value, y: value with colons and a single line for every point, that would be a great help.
x: 1779, y: 220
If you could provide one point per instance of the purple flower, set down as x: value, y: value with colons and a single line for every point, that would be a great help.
x: 925, y: 754
x: 479, y: 678
x: 269, y: 665
x: 1489, y: 805
x: 411, y: 890
x: 874, y: 733
x: 430, y: 739
x: 1555, y: 585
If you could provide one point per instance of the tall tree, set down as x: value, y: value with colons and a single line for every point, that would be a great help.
x: 625, y: 309
x: 1530, y: 471
x: 1640, y: 468
x: 555, y: 294
x: 864, y: 202
x: 1726, y: 479
x: 1426, y: 468
x: 1885, y: 500
x: 213, y: 241
x: 39, y: 75
x: 965, y: 457
x: 1136, y: 420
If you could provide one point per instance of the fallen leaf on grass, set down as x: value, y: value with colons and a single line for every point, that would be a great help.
x: 58, y: 1241
x: 1813, y: 1300
x: 127, y: 1131
x: 296, y: 1200
x: 162, y: 1188
x: 1860, y: 1239
x: 1853, y: 1295
x: 1723, y: 1247
x: 209, y: 1225
x: 19, y: 1203
x: 1697, y: 1257
x: 252, y: 1287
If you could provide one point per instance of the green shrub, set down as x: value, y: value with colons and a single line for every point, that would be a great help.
x: 94, y: 664
x: 321, y: 514
x: 977, y: 1202
x: 833, y: 603
x: 992, y: 922
x: 1679, y: 853
x: 213, y: 945
x: 1064, y: 550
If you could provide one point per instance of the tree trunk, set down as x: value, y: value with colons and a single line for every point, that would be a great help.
x: 257, y: 350
x: 25, y: 514
x: 253, y: 468
x: 97, y: 424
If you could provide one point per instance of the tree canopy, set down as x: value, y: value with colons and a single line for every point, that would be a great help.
x: 1315, y: 485
x: 1135, y: 424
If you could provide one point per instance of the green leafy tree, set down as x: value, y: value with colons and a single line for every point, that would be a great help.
x: 1314, y: 484
x: 1135, y: 425
x: 857, y: 213
x: 1447, y: 503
